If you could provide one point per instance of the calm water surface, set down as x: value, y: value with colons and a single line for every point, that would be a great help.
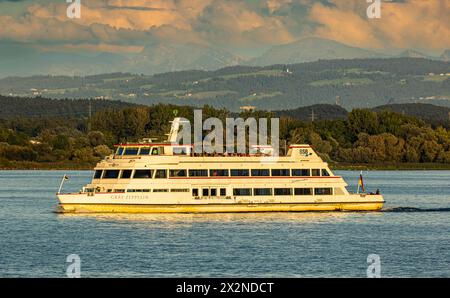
x: 413, y: 239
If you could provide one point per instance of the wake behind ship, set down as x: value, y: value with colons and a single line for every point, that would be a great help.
x: 149, y: 177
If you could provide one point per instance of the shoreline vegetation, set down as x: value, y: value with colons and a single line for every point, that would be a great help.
x: 76, y: 166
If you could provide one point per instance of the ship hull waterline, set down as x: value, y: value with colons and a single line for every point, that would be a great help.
x: 218, y: 208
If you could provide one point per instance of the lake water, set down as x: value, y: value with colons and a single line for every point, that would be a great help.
x: 412, y: 238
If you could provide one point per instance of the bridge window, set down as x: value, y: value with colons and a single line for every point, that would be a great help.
x: 240, y: 173
x: 126, y: 174
x: 325, y: 173
x: 178, y: 173
x: 262, y: 191
x: 144, y: 151
x: 301, y: 172
x: 142, y: 174
x: 218, y: 172
x: 98, y: 174
x: 281, y: 172
x: 260, y: 172
x: 160, y: 174
x: 338, y: 191
x: 119, y: 151
x: 283, y: 191
x: 324, y: 191
x: 111, y: 174
x: 315, y: 172
x: 242, y: 191
x: 155, y: 151
x: 198, y: 173
x: 303, y: 191
x: 131, y: 151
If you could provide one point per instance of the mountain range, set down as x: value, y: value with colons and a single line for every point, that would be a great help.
x: 157, y: 57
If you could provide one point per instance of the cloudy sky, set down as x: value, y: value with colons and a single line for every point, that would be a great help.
x: 246, y: 27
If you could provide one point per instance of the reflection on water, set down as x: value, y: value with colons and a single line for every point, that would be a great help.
x: 411, y: 237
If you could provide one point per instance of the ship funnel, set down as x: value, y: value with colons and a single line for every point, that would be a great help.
x: 174, y: 129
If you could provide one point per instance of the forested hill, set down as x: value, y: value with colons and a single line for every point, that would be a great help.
x: 428, y: 112
x: 45, y: 107
x: 315, y: 112
x: 354, y: 83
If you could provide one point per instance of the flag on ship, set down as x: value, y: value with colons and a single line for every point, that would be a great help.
x: 361, y: 182
x: 66, y: 177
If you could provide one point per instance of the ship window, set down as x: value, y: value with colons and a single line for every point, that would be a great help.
x: 160, y: 190
x: 218, y: 172
x: 178, y: 173
x: 301, y: 172
x: 119, y: 190
x: 283, y: 191
x: 155, y: 151
x: 179, y: 190
x: 242, y: 191
x: 126, y: 174
x: 223, y: 191
x: 205, y: 192
x: 241, y: 173
x: 111, y: 174
x: 281, y: 172
x: 323, y: 191
x: 144, y: 151
x: 179, y: 150
x: 260, y: 172
x: 131, y: 151
x: 161, y: 174
x: 325, y: 172
x: 213, y: 192
x: 303, y: 191
x: 98, y: 174
x: 315, y: 172
x: 119, y: 151
x: 198, y: 173
x: 142, y: 174
x: 89, y: 190
x: 262, y: 191
x: 195, y: 192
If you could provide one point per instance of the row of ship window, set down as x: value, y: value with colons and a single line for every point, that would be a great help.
x: 127, y: 174
x: 213, y: 192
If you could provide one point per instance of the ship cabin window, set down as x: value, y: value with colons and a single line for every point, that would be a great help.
x: 144, y: 151
x: 223, y: 192
x: 111, y: 174
x: 155, y: 151
x: 260, y: 172
x: 240, y: 173
x: 119, y: 151
x: 138, y: 190
x: 126, y: 174
x: 218, y: 172
x: 323, y: 191
x: 178, y: 173
x: 119, y: 190
x: 213, y: 192
x: 281, y: 172
x: 98, y: 174
x: 161, y: 174
x: 131, y: 151
x: 315, y: 172
x: 303, y: 191
x: 195, y: 192
x: 242, y: 191
x: 205, y: 192
x: 160, y: 190
x: 179, y: 190
x: 283, y: 191
x: 180, y: 150
x: 262, y: 191
x: 143, y: 174
x: 198, y: 173
x: 301, y: 172
x: 89, y: 190
x: 325, y: 173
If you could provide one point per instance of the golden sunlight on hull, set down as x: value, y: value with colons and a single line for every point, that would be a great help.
x: 216, y: 208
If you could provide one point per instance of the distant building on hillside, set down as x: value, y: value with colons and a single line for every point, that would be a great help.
x: 247, y: 108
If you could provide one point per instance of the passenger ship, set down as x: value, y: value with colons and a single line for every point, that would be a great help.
x: 150, y: 177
